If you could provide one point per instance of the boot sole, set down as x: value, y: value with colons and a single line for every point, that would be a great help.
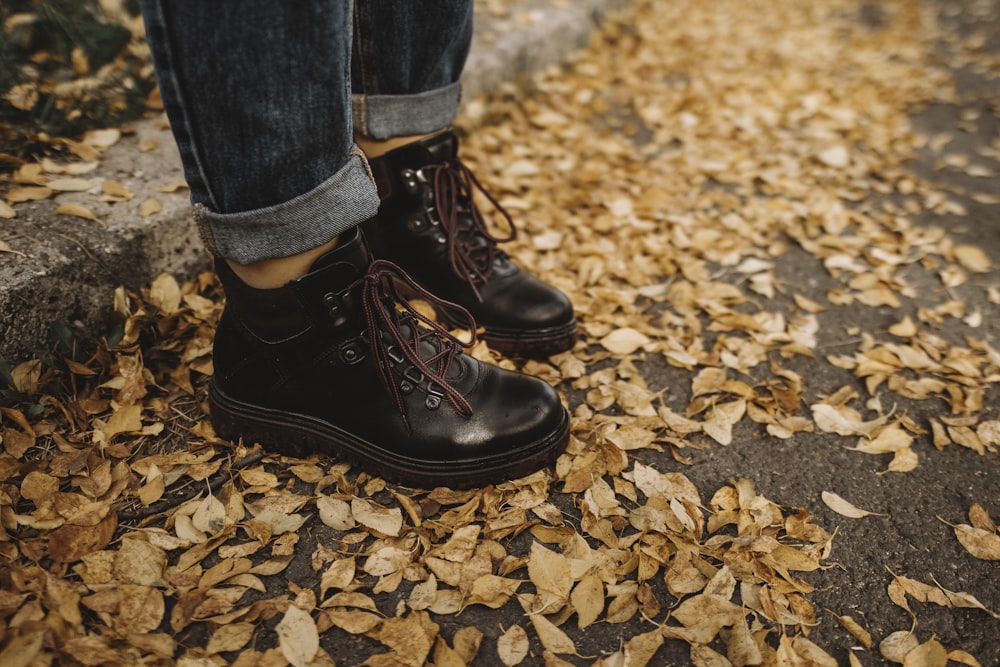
x: 299, y: 436
x: 533, y: 344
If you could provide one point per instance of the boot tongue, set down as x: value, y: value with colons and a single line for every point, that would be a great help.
x: 435, y: 149
x: 440, y: 147
x: 351, y: 254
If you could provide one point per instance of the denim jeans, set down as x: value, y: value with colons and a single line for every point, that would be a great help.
x: 264, y: 98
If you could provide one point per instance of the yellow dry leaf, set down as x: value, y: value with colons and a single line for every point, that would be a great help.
x: 803, y: 651
x: 551, y: 637
x: 928, y: 654
x: 549, y: 571
x: 624, y: 341
x: 102, y: 138
x: 707, y: 610
x: 922, y: 592
x: 721, y: 419
x: 140, y: 562
x: 705, y: 656
x: 385, y: 520
x: 409, y: 637
x: 856, y: 630
x: 141, y: 608
x: 845, y: 421
x: 980, y: 518
x: 835, y: 156
x: 665, y: 485
x: 77, y: 210
x: 741, y: 647
x: 127, y: 419
x: 335, y: 513
x: 844, y: 508
x: 905, y: 328
x: 890, y: 439
x: 19, y: 195
x: 298, y: 637
x: 173, y: 186
x: 982, y: 544
x: 972, y: 258
x: 387, y: 560
x: 150, y: 207
x: 340, y: 575
x: 22, y: 649
x: 466, y: 642
x: 587, y: 599
x: 229, y: 637
x: 22, y: 96
x: 165, y: 294
x: 492, y: 591
x: 460, y: 546
x: 963, y: 658
x: 70, y: 185
x: 154, y: 487
x: 352, y: 621
x: 445, y: 656
x: 512, y: 646
x: 904, y: 460
x: 423, y: 594
x: 115, y: 191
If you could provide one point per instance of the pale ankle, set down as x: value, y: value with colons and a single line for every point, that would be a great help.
x: 373, y: 148
x: 279, y: 271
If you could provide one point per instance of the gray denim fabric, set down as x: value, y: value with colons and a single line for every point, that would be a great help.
x: 386, y: 116
x: 307, y: 221
x: 261, y: 96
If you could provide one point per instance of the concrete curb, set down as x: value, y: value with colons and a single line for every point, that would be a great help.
x: 64, y: 269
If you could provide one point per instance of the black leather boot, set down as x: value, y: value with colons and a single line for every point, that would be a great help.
x: 337, y: 362
x: 430, y: 225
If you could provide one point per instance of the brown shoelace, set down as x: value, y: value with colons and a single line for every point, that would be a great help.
x: 472, y: 248
x: 387, y: 312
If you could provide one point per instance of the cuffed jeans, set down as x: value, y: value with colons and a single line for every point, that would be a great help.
x: 264, y: 98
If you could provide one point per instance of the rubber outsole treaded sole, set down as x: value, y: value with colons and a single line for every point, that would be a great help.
x: 298, y: 436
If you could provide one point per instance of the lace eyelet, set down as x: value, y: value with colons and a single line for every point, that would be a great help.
x: 351, y: 353
x: 413, y: 375
x: 394, y: 354
x: 434, y: 396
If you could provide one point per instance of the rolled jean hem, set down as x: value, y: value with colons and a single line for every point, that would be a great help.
x: 388, y: 116
x: 339, y: 203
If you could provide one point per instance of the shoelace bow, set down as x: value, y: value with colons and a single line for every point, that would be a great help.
x: 386, y: 311
x: 472, y: 253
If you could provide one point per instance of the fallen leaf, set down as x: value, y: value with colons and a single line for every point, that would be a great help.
x: 928, y: 654
x: 551, y: 637
x: 841, y: 506
x: 150, y: 207
x: 982, y: 544
x: 298, y: 636
x: 335, y: 513
x: 624, y: 341
x: 512, y: 646
x: 972, y: 258
x: 77, y: 210
x: 385, y: 520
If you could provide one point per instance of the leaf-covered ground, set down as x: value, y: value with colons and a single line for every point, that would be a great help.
x: 779, y: 224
